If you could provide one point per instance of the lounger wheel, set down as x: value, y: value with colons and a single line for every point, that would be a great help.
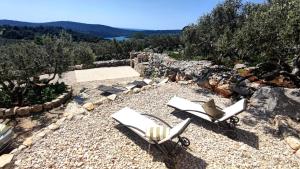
x: 184, y: 141
x: 234, y: 120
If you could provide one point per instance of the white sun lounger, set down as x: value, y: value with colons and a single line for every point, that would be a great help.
x: 139, y: 123
x: 197, y: 110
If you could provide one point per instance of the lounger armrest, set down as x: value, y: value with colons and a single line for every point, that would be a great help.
x: 234, y: 109
x: 177, y: 130
x: 157, y: 118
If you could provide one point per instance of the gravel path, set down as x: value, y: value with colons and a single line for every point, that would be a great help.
x: 96, y: 141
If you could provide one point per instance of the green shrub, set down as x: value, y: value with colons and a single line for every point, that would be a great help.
x: 5, y: 100
x: 250, y: 32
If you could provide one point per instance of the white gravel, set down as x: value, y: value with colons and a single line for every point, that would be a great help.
x: 96, y: 141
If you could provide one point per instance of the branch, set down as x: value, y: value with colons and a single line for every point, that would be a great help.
x: 54, y: 74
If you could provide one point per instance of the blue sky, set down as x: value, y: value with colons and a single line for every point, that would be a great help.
x: 140, y: 14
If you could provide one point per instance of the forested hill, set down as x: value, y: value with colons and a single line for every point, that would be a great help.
x: 31, y: 33
x: 102, y: 31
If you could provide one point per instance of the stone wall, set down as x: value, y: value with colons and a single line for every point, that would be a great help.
x: 220, y: 79
x: 236, y: 82
x: 27, y: 110
x: 107, y: 63
x: 111, y: 63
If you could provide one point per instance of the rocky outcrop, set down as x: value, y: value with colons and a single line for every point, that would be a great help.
x: 220, y: 79
x: 272, y: 101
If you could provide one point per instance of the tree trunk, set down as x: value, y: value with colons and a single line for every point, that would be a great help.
x: 296, y: 66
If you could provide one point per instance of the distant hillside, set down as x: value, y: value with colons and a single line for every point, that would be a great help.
x: 91, y: 29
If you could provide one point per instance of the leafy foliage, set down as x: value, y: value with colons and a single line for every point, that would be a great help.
x: 250, y: 32
x: 83, y: 54
x: 23, y: 63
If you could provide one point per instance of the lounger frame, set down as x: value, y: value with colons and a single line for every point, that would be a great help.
x: 182, y: 142
x: 227, y: 125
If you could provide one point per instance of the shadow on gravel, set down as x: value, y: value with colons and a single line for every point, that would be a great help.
x: 183, y: 159
x: 244, y: 136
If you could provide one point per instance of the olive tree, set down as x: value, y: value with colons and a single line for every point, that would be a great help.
x: 23, y: 63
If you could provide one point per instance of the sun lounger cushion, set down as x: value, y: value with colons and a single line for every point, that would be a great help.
x: 157, y: 133
x: 211, y: 109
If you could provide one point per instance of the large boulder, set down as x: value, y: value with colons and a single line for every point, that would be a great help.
x: 272, y: 101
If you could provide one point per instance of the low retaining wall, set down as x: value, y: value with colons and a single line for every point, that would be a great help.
x: 107, y: 63
x: 27, y: 110
x: 111, y: 63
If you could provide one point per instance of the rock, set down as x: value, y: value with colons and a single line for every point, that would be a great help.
x: 89, y: 106
x: 56, y: 103
x: 21, y: 147
x: 183, y: 82
x: 163, y: 81
x: 60, y: 121
x: 255, y: 86
x: 70, y: 116
x: 53, y: 126
x: 172, y: 77
x: 148, y: 81
x: 18, y: 162
x: 136, y: 90
x: 27, y: 123
x: 68, y: 95
x: 28, y: 141
x: 127, y: 91
x: 146, y: 87
x: 78, y: 67
x: 293, y: 142
x: 36, y: 108
x: 241, y: 90
x: 179, y: 77
x: 298, y: 153
x: 204, y: 84
x: 101, y: 101
x: 130, y: 87
x: 84, y: 95
x: 239, y: 66
x: 2, y: 112
x: 112, y: 97
x: 224, y: 90
x: 41, y: 134
x: 213, y: 82
x: 272, y: 101
x: 47, y: 105
x: 5, y: 159
x: 23, y: 111
x: 10, y: 112
x: 73, y: 109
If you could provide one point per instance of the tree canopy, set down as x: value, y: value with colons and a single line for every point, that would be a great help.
x: 249, y: 32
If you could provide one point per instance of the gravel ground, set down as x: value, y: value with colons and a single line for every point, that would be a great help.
x: 97, y: 141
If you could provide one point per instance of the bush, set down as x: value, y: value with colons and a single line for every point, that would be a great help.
x: 250, y: 32
x: 83, y: 54
x: 22, y: 64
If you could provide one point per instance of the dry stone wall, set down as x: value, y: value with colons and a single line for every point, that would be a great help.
x: 27, y: 110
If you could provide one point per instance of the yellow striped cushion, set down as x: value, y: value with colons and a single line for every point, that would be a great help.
x: 157, y: 133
